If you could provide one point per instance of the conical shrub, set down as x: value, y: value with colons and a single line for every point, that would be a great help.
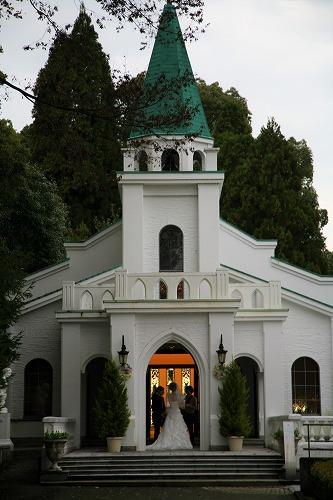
x: 234, y: 393
x: 111, y: 409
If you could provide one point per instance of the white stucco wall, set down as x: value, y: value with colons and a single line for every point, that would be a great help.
x: 41, y: 339
x: 243, y: 253
x: 192, y: 327
x: 308, y: 333
x: 249, y: 341
x: 95, y: 341
x: 162, y: 210
x: 97, y: 254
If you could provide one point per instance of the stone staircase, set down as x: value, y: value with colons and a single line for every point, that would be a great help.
x: 133, y: 469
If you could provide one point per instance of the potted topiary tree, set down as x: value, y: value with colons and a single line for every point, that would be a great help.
x: 111, y: 409
x: 234, y: 421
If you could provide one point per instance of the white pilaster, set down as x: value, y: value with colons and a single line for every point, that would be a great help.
x: 219, y: 323
x: 273, y: 371
x: 208, y: 227
x: 124, y: 324
x: 71, y: 376
x: 132, y: 204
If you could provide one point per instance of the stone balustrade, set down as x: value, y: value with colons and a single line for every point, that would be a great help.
x: 175, y: 285
x: 300, y: 433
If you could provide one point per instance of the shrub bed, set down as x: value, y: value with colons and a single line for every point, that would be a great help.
x: 322, y: 474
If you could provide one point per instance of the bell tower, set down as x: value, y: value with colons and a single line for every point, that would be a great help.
x: 170, y: 172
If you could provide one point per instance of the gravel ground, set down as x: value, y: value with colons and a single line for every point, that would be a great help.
x: 20, y: 482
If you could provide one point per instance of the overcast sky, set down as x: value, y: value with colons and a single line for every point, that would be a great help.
x: 277, y: 53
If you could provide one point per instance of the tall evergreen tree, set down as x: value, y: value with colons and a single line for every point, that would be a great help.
x: 32, y: 228
x: 268, y: 190
x: 277, y: 199
x: 77, y: 146
x: 33, y: 219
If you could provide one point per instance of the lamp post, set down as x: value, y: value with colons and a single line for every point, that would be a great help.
x: 221, y: 352
x: 123, y: 354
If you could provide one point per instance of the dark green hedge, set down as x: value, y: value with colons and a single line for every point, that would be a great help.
x: 322, y: 474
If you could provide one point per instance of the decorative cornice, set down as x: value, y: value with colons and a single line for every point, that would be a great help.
x: 171, y: 306
x: 261, y: 315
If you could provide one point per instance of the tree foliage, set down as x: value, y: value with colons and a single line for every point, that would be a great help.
x: 276, y: 199
x: 33, y: 219
x: 233, y: 418
x: 13, y: 293
x: 111, y: 410
x: 268, y: 190
x: 80, y: 152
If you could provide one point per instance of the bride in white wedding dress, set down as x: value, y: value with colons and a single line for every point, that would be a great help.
x: 174, y: 435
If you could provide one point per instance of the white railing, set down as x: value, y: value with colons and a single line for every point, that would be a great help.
x: 182, y: 286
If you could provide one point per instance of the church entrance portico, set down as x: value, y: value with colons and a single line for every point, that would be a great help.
x: 171, y: 363
x: 200, y: 378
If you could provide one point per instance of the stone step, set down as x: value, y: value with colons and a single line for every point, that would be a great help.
x: 52, y: 480
x: 166, y: 459
x: 152, y: 476
x: 172, y: 462
x: 167, y: 469
x: 168, y: 465
x: 172, y: 470
x: 254, y: 442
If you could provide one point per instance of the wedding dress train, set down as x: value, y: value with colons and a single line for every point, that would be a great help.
x: 174, y: 435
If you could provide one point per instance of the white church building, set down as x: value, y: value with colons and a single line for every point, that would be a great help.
x: 171, y: 277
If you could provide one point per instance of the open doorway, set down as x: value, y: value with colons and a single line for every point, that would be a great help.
x: 171, y: 363
x: 94, y: 376
x: 250, y: 370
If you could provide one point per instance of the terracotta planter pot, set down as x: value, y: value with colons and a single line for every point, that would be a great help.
x: 235, y: 443
x: 55, y: 449
x: 114, y: 444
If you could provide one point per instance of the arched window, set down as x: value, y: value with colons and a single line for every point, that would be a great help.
x: 305, y: 386
x: 143, y: 161
x: 171, y: 249
x: 197, y: 161
x: 163, y: 290
x: 170, y: 160
x: 38, y: 381
x: 183, y: 290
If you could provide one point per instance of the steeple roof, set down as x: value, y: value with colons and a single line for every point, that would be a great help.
x: 170, y: 79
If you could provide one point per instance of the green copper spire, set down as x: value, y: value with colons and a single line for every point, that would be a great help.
x: 170, y: 70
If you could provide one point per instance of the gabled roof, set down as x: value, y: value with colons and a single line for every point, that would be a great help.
x: 169, y: 63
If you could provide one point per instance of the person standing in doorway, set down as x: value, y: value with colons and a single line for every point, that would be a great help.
x: 189, y: 411
x: 158, y: 410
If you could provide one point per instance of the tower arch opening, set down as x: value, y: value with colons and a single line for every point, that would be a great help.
x: 198, y: 161
x: 170, y: 160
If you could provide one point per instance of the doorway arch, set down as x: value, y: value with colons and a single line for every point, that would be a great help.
x: 140, y: 388
x: 171, y: 363
x: 251, y: 370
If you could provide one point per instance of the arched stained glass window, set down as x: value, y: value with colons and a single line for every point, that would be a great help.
x: 38, y: 382
x: 171, y: 249
x: 305, y: 386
